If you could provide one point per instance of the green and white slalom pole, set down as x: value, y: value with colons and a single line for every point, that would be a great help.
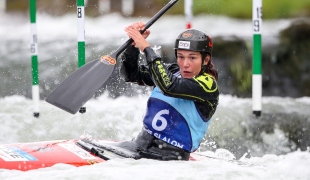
x: 34, y: 59
x: 188, y: 7
x: 257, y: 58
x: 81, y: 38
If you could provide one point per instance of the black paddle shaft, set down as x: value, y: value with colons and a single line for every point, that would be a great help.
x: 82, y: 84
x: 147, y: 25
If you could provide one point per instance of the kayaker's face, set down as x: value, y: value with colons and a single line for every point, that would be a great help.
x: 189, y: 63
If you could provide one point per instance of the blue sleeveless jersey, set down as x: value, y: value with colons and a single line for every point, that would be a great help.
x: 174, y: 120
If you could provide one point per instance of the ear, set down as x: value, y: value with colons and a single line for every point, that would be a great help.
x: 207, y: 59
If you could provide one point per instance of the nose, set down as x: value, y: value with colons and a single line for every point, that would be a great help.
x: 186, y: 63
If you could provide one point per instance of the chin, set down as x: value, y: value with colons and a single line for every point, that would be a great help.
x: 187, y: 76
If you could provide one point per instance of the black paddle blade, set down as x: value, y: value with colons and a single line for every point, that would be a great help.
x: 81, y: 85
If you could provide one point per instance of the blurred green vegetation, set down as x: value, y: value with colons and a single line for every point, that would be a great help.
x: 272, y: 9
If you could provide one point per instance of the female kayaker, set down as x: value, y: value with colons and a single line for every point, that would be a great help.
x: 184, y: 98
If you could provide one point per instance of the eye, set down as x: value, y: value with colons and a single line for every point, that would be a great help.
x: 180, y: 57
x: 193, y: 58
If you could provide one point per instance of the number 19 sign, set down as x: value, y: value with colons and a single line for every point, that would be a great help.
x: 257, y: 58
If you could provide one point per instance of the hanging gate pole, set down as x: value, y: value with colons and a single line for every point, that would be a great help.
x: 257, y: 58
x: 34, y: 59
x: 81, y: 38
x: 188, y: 7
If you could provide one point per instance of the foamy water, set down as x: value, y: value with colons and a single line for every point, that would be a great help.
x: 111, y: 26
x: 291, y: 167
x: 121, y: 119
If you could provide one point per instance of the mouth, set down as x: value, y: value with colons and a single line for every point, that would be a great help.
x: 187, y: 74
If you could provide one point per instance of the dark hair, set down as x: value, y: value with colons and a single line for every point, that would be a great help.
x: 209, y: 68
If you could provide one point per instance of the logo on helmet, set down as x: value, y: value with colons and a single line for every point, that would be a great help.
x: 184, y: 44
x: 210, y: 44
x: 187, y: 35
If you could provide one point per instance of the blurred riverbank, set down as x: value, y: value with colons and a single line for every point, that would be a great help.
x: 285, y: 51
x: 241, y: 9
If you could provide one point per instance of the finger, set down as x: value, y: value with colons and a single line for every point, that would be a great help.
x: 139, y: 25
x: 136, y: 26
x: 147, y: 32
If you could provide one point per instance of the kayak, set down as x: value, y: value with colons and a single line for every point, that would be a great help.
x: 78, y: 152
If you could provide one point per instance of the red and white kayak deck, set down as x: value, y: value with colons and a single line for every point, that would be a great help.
x: 28, y: 156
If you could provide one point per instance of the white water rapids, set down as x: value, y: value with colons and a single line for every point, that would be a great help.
x: 121, y: 118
